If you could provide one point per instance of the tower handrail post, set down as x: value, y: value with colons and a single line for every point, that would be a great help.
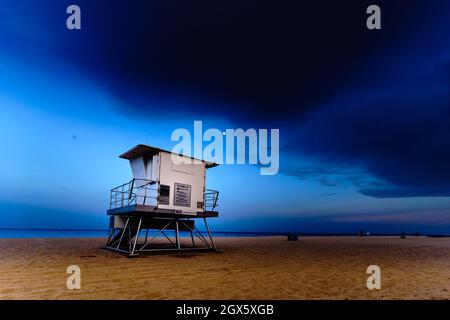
x: 130, y: 191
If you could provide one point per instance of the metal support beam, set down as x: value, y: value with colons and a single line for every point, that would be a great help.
x: 137, y: 236
x: 119, y: 238
x: 209, y: 233
x: 177, y: 235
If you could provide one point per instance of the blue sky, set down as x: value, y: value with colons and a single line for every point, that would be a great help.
x: 364, y: 130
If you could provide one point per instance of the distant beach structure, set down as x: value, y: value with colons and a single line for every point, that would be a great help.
x: 166, y: 195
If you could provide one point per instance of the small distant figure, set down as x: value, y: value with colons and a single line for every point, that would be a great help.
x: 292, y: 236
x: 361, y: 233
x: 403, y: 235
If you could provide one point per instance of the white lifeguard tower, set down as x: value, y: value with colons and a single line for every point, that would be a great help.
x: 164, y: 196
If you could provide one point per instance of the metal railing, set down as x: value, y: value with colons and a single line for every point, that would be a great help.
x: 146, y: 192
x: 210, y: 197
x: 136, y: 191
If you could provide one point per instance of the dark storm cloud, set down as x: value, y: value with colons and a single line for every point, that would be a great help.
x: 341, y: 94
x: 265, y: 62
x: 246, y: 61
x: 401, y: 137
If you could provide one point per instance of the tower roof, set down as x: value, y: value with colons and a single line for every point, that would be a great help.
x: 144, y: 150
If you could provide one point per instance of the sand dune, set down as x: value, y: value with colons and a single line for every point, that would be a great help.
x: 249, y: 268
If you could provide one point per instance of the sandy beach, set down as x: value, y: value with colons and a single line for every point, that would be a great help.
x: 248, y: 268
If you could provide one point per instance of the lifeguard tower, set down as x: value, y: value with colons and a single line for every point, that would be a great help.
x: 165, y: 198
